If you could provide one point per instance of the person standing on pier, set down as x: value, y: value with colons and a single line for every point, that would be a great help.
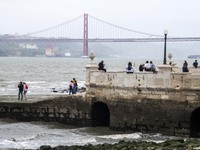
x: 21, y: 89
x: 75, y: 85
x: 71, y: 87
x: 25, y: 90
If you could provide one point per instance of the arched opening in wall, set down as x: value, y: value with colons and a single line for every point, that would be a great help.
x: 195, y: 123
x: 100, y: 114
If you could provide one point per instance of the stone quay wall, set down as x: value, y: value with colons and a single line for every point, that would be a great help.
x: 163, y: 102
x: 72, y: 110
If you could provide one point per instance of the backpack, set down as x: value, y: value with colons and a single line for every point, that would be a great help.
x: 129, y: 67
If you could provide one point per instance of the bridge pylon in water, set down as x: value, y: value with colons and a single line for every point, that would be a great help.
x: 85, y: 36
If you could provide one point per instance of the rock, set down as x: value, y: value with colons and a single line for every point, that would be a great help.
x: 45, y: 147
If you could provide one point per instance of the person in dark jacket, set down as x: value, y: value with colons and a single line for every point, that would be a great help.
x: 75, y: 85
x: 141, y: 67
x: 185, y: 67
x: 21, y: 89
x: 101, y: 66
x: 195, y: 64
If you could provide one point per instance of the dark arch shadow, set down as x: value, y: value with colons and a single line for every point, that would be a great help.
x: 100, y: 114
x: 195, y: 123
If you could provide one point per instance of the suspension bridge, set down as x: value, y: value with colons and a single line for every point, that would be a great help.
x: 86, y: 28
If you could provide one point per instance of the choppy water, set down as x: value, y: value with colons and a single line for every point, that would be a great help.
x: 31, y: 135
x: 43, y: 74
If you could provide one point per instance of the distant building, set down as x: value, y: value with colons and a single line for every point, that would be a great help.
x: 49, y: 51
x: 28, y: 46
x: 68, y: 54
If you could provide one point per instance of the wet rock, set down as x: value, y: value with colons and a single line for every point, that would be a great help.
x: 175, y: 144
x: 45, y: 147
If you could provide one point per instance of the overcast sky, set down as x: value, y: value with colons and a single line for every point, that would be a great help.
x: 179, y: 17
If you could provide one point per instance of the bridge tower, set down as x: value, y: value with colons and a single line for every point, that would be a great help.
x: 85, y: 36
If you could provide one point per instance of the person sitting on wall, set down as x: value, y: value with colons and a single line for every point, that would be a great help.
x: 129, y: 68
x: 147, y: 66
x: 141, y: 67
x: 152, y: 67
x: 185, y: 67
x: 195, y: 64
x: 101, y: 66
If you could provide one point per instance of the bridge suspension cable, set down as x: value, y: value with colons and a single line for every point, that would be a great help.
x: 65, y: 29
x: 138, y: 33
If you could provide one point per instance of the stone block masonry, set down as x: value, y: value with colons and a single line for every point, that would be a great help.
x: 73, y: 110
x: 165, y: 102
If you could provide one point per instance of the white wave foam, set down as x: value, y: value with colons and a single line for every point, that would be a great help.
x: 122, y: 136
x: 35, y: 82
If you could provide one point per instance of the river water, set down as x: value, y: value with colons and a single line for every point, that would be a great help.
x: 42, y: 75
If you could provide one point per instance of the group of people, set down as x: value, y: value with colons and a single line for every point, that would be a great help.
x: 23, y: 89
x: 185, y: 66
x: 73, y: 87
x: 148, y: 66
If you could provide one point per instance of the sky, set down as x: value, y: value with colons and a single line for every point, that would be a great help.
x: 179, y: 17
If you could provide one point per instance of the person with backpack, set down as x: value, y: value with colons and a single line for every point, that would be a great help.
x: 25, y: 90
